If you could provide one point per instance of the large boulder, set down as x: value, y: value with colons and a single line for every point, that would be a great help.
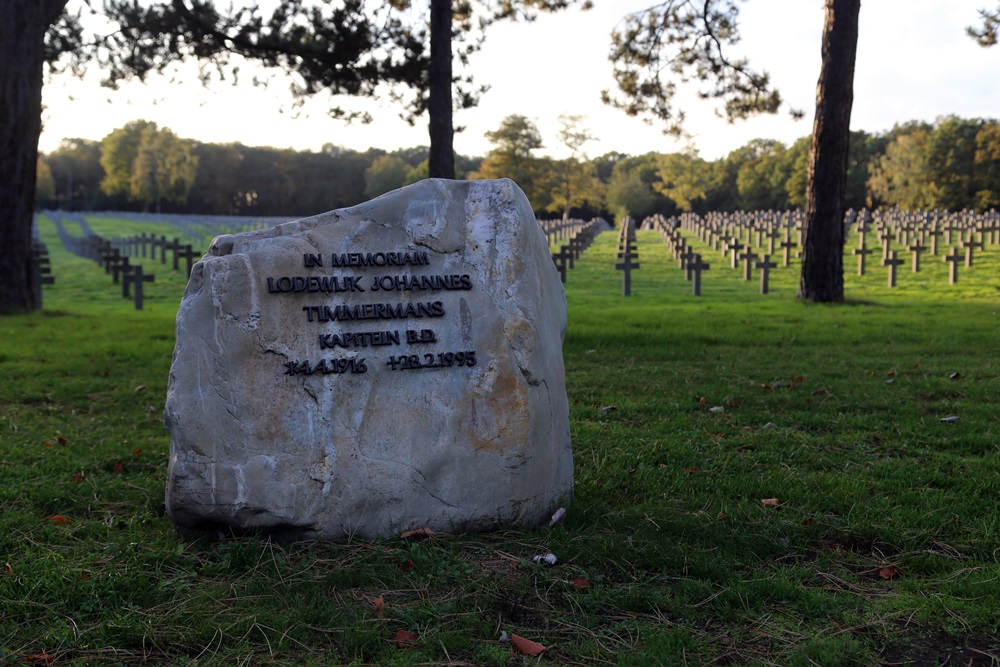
x: 387, y: 367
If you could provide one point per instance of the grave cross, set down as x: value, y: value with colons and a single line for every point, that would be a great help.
x: 696, y: 267
x: 627, y: 267
x: 862, y: 252
x: 560, y: 259
x: 787, y: 246
x: 892, y: 262
x: 748, y: 257
x: 916, y: 249
x: 969, y: 245
x: 765, y: 265
x: 138, y: 278
x: 954, y: 258
x: 734, y: 247
x: 188, y: 254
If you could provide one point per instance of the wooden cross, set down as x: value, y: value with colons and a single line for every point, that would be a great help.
x: 627, y: 267
x: 696, y: 267
x: 765, y: 265
x: 862, y: 252
x: 954, y: 258
x: 892, y: 262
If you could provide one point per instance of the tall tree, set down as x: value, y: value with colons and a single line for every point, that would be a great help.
x: 23, y: 25
x: 678, y: 41
x: 822, y: 276
x: 346, y: 47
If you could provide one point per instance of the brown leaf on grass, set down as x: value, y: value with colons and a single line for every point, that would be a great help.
x: 48, y: 444
x: 916, y: 366
x: 890, y: 572
x: 61, y: 440
x: 691, y: 471
x: 78, y: 478
x: 59, y: 520
x: 141, y: 387
x: 404, y: 638
x: 799, y: 378
x: 526, y: 646
x: 40, y: 658
x: 821, y: 392
x: 809, y: 521
x: 7, y: 463
x: 8, y: 571
x: 419, y: 532
x: 769, y: 502
x: 580, y: 582
x: 379, y: 605
x: 118, y: 467
x: 137, y: 452
x: 891, y: 374
x: 406, y: 565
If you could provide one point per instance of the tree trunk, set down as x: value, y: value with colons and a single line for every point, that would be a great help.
x: 22, y: 38
x: 823, y: 252
x: 441, y: 160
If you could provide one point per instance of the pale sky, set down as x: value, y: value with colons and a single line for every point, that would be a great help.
x: 913, y: 64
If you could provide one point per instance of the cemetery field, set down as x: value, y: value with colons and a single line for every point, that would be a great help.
x: 758, y: 481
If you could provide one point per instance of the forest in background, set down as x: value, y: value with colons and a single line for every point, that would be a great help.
x: 951, y: 164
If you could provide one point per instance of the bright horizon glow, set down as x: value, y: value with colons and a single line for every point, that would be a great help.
x: 916, y: 64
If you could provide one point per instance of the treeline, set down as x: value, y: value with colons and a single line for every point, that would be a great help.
x: 950, y: 164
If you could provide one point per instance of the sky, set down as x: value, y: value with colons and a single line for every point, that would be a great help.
x: 916, y: 64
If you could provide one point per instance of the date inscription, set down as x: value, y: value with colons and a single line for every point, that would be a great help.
x: 439, y: 360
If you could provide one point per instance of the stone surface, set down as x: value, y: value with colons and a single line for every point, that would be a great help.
x: 287, y: 418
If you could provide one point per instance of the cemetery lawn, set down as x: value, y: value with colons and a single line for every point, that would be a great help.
x: 758, y: 481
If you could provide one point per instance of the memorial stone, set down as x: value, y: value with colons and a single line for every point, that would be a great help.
x: 388, y: 367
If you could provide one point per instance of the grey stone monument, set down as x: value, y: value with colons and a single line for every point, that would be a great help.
x: 387, y: 367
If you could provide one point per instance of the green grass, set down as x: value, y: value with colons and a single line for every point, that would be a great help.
x: 832, y: 410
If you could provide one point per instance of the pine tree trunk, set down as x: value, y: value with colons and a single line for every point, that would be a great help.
x: 22, y: 33
x: 441, y: 161
x: 823, y: 252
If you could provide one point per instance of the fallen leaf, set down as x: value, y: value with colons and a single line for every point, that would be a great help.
x: 580, y: 582
x: 406, y: 565
x: 916, y: 366
x: 405, y: 639
x: 889, y: 572
x: 526, y: 646
x: 769, y: 502
x: 891, y: 374
x: 61, y: 440
x: 59, y: 519
x: 821, y: 392
x: 691, y: 471
x: 809, y: 522
x: 379, y: 605
x: 735, y: 404
x: 8, y: 571
x: 48, y: 444
x: 42, y: 658
x: 419, y: 532
x: 136, y: 452
x: 119, y: 466
x: 78, y: 478
x: 141, y: 387
x: 799, y: 378
x: 7, y: 463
